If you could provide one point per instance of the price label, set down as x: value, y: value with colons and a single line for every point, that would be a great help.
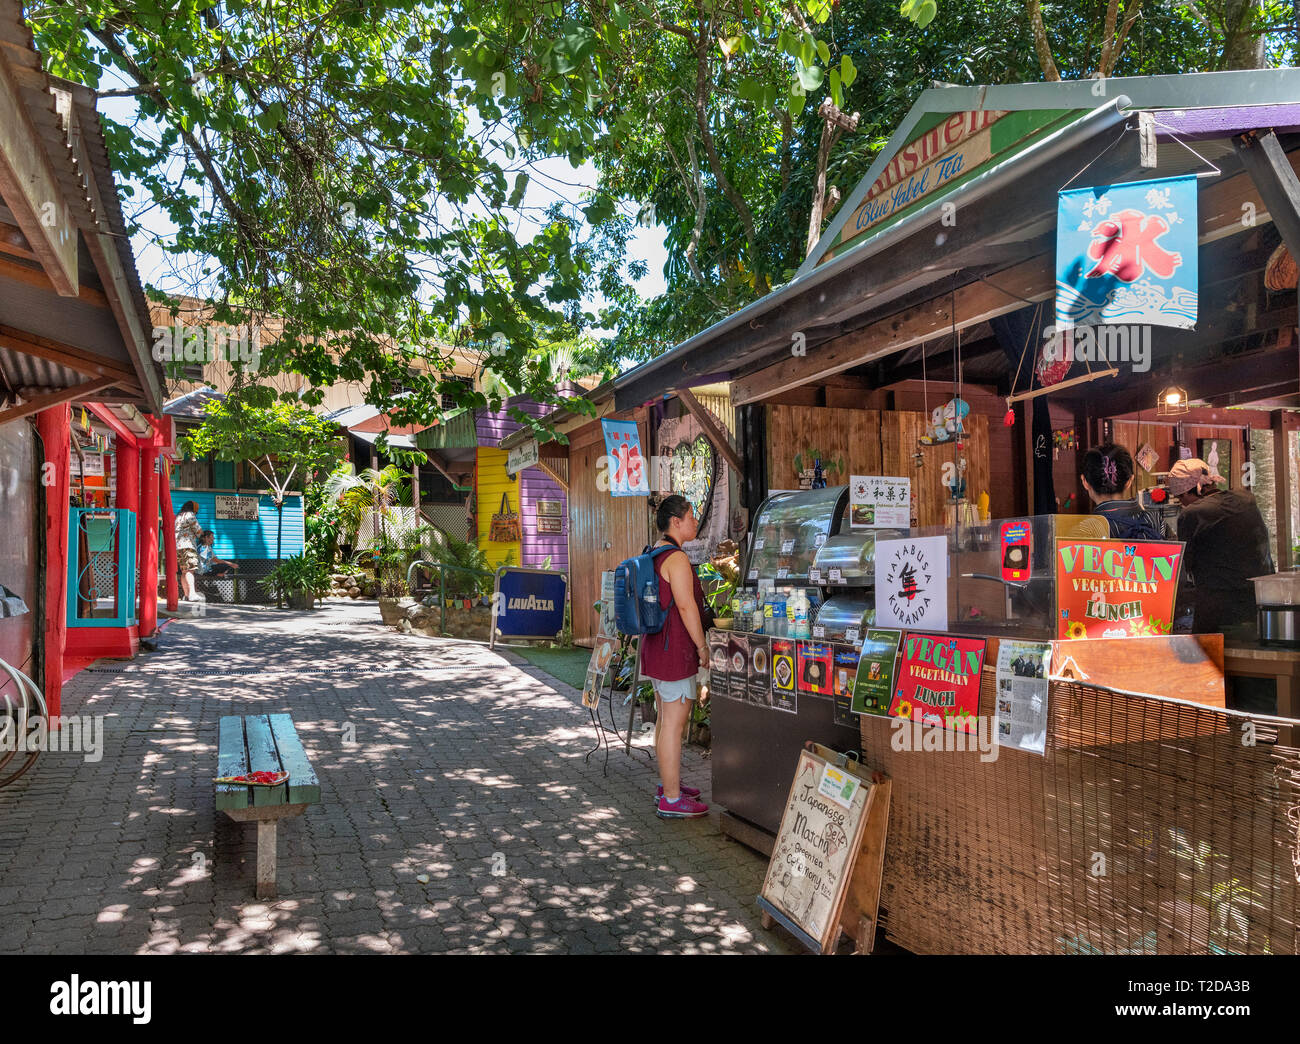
x: 814, y: 575
x: 759, y: 544
x: 836, y: 576
x: 782, y: 572
x: 821, y: 539
x: 787, y: 546
x: 818, y: 631
x: 851, y: 636
x: 753, y: 574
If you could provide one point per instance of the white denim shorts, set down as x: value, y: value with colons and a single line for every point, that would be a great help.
x: 672, y: 691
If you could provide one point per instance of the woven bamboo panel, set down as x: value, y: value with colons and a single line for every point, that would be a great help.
x: 1160, y: 832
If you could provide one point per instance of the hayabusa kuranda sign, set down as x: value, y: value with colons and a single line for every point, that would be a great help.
x: 1126, y: 254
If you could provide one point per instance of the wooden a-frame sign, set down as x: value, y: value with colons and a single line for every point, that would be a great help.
x: 829, y: 854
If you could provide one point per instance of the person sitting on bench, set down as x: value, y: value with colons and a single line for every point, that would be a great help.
x: 209, y: 564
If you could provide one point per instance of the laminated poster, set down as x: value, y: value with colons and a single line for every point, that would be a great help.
x: 844, y: 669
x: 719, y: 665
x: 874, y: 684
x: 785, y: 696
x: 879, y: 502
x: 939, y: 680
x: 1020, y: 707
x: 760, y: 670
x: 814, y: 667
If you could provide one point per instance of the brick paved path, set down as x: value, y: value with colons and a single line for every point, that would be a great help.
x: 461, y: 759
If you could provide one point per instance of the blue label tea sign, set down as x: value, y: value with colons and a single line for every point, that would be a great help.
x: 529, y: 603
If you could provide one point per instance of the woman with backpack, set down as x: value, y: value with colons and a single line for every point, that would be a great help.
x: 1107, y: 471
x: 671, y: 657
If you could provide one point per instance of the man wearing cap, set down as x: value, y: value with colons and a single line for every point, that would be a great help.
x: 1227, y: 544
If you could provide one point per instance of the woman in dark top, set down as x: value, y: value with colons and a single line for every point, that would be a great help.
x: 672, y: 657
x: 1107, y: 471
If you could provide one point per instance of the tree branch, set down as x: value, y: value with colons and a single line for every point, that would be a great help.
x: 1041, y: 47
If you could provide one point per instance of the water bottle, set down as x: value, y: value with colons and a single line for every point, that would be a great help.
x: 650, y: 598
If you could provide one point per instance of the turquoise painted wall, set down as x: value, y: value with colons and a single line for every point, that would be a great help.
x: 236, y: 540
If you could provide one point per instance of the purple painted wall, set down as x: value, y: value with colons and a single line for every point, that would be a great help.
x: 536, y: 485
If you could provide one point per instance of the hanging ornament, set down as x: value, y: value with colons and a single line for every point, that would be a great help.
x: 1009, y: 418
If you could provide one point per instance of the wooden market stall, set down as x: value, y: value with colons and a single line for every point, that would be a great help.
x: 1126, y: 831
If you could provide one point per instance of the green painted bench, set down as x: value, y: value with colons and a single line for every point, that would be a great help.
x: 264, y: 743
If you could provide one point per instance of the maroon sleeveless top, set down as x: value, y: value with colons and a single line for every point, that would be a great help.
x: 675, y: 658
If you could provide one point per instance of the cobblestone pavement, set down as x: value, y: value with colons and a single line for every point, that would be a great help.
x: 463, y: 762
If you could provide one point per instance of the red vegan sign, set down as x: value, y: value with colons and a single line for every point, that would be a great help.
x: 939, y: 680
x: 1114, y: 589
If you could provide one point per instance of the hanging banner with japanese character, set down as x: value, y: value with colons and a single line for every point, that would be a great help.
x: 626, y: 474
x: 1126, y: 254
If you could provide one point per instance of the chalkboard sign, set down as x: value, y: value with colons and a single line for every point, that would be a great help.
x: 824, y: 877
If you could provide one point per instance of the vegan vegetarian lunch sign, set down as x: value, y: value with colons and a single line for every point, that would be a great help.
x: 1114, y: 589
x: 939, y: 680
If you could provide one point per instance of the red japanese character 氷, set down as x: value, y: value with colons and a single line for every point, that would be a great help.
x: 1124, y: 245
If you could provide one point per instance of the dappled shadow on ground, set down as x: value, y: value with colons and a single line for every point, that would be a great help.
x: 458, y: 812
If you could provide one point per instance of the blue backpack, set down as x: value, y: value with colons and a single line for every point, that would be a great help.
x: 636, y: 594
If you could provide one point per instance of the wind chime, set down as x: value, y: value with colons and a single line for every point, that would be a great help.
x: 947, y: 424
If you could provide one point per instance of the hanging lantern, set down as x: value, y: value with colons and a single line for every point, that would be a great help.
x: 1172, y: 402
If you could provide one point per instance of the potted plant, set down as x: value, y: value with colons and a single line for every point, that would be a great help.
x: 645, y: 698
x: 298, y: 581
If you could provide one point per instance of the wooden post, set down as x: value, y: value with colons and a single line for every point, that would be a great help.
x: 266, y: 842
x: 169, y: 538
x: 147, y: 535
x: 55, y: 428
x: 1282, y: 488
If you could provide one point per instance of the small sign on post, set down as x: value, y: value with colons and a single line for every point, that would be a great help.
x: 234, y: 508
x: 525, y: 455
x: 528, y: 603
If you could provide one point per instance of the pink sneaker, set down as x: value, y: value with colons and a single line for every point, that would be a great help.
x: 683, y: 808
x: 690, y: 792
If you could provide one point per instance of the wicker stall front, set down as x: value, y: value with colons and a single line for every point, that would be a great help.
x: 1150, y: 826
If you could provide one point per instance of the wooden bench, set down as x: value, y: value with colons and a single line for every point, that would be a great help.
x: 264, y: 743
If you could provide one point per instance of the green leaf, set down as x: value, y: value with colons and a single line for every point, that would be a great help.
x: 810, y: 76
x: 837, y: 96
x: 823, y: 52
x: 848, y: 72
x: 795, y: 101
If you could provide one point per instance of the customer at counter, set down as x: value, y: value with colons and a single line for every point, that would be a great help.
x: 1107, y: 471
x: 1227, y: 544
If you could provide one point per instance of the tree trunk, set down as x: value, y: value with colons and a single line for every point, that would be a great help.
x: 1243, y: 46
x: 1041, y: 47
x: 279, y: 529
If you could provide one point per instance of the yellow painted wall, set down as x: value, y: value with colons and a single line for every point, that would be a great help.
x: 492, y: 482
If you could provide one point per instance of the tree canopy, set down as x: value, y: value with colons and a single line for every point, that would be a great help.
x: 362, y: 170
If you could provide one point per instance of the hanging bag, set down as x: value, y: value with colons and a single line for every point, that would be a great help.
x: 505, y: 523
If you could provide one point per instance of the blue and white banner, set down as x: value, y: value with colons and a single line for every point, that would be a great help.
x: 626, y: 466
x: 528, y: 603
x: 1126, y: 254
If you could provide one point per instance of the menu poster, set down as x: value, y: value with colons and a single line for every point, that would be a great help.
x: 784, y: 693
x: 879, y: 502
x: 844, y: 669
x: 874, y: 683
x: 1114, y: 589
x: 1020, y: 708
x: 814, y: 667
x: 1017, y: 547
x: 739, y: 666
x: 591, y: 689
x: 814, y: 850
x: 719, y: 665
x: 939, y: 680
x: 760, y: 670
x: 912, y: 582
